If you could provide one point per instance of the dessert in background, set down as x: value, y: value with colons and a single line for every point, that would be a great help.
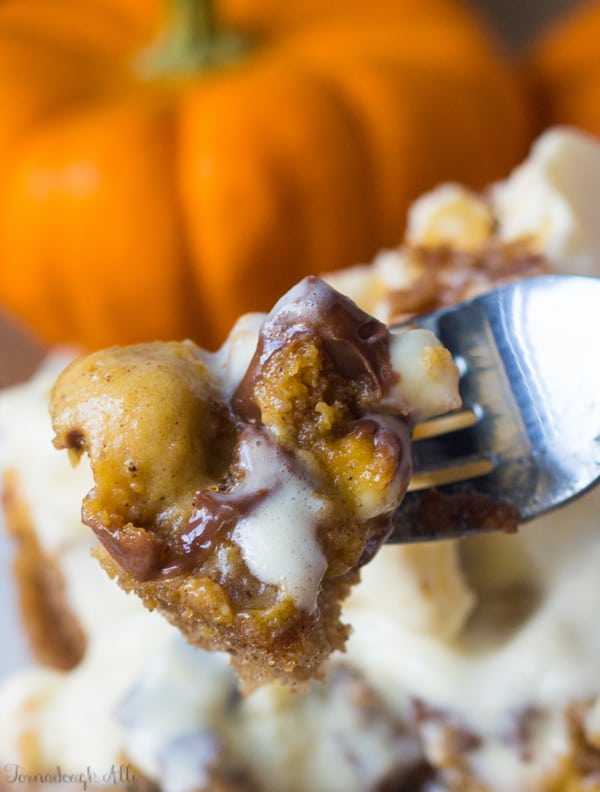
x: 239, y: 492
x: 472, y: 666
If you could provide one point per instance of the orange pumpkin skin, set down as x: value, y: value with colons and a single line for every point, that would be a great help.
x: 135, y: 208
x: 564, y: 70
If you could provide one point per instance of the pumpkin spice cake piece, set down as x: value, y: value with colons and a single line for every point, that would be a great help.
x: 240, y: 492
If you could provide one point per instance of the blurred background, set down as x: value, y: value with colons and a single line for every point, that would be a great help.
x: 519, y: 20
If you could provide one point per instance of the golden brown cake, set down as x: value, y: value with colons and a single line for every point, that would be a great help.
x: 243, y: 510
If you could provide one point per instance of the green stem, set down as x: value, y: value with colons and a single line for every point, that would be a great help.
x: 192, y: 42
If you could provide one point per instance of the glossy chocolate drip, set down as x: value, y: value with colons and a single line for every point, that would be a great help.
x: 142, y: 554
x: 214, y: 517
x: 147, y: 556
x: 356, y: 343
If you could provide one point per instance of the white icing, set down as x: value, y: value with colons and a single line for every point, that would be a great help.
x: 72, y: 713
x: 24, y: 425
x: 369, y: 284
x: 427, y: 376
x: 230, y: 362
x: 450, y: 215
x: 278, y: 538
x: 163, y: 708
x: 552, y: 199
x: 549, y: 660
x: 421, y: 586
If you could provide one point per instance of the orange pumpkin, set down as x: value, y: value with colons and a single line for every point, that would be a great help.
x: 564, y: 68
x: 142, y: 197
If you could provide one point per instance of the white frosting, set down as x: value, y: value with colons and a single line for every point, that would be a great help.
x: 421, y: 586
x: 552, y: 199
x: 549, y: 201
x: 450, y: 215
x: 162, y: 710
x: 25, y: 424
x: 369, y: 284
x: 278, y: 538
x: 316, y: 741
x: 427, y: 376
x: 490, y: 674
x: 228, y: 365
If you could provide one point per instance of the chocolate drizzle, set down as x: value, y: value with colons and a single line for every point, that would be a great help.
x: 147, y: 556
x: 140, y: 552
x: 356, y: 344
x: 214, y: 517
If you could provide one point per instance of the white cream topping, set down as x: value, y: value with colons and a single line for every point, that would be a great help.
x: 427, y: 376
x: 25, y: 424
x: 230, y: 362
x: 552, y: 199
x: 160, y: 715
x: 450, y: 215
x: 278, y: 539
x: 421, y: 586
x: 369, y: 285
x: 549, y: 201
x: 272, y: 734
x: 500, y: 665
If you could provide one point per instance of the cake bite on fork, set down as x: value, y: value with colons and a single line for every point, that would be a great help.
x: 240, y: 492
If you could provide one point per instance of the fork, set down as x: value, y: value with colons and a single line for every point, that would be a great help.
x: 527, y: 438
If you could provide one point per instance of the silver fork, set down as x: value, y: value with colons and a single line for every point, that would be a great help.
x: 528, y: 436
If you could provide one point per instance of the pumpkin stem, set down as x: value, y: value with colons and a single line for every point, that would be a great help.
x: 192, y: 41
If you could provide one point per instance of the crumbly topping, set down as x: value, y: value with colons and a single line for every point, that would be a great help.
x: 447, y: 276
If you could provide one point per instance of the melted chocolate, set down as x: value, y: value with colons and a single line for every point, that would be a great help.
x: 142, y: 554
x: 148, y: 556
x: 214, y: 517
x: 379, y: 530
x: 355, y: 342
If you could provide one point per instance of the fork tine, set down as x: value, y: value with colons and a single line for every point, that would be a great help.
x: 520, y: 351
x: 463, y: 469
x: 451, y: 447
x: 458, y: 486
x: 445, y: 423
